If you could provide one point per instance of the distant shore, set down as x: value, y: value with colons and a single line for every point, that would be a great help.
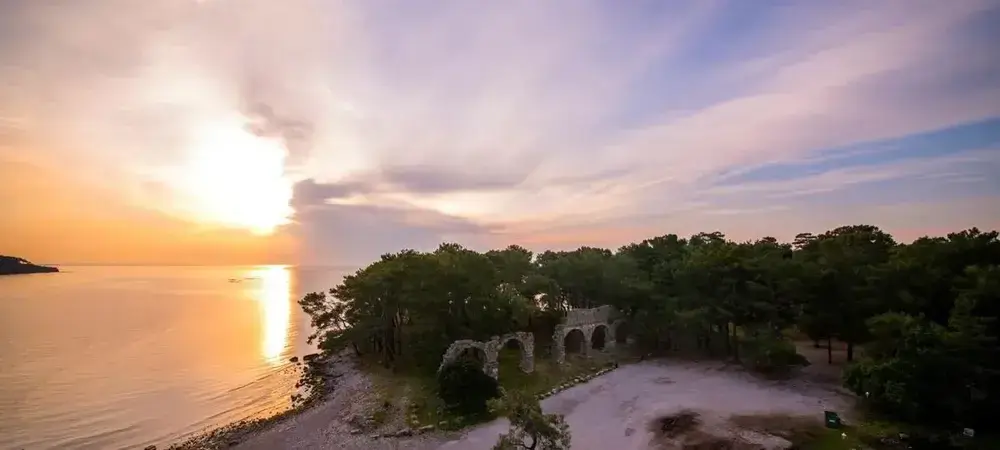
x: 12, y: 265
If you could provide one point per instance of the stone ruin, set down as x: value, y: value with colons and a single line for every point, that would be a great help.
x: 585, y: 330
x: 491, y: 351
x: 581, y: 330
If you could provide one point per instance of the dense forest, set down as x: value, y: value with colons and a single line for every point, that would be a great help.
x: 923, y: 314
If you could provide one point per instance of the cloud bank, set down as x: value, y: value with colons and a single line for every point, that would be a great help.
x: 550, y: 124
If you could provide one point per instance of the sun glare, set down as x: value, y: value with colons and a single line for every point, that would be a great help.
x: 275, y: 283
x: 236, y: 178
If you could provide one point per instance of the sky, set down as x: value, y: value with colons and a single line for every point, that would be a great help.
x: 334, y: 131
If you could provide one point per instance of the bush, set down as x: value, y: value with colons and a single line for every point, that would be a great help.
x: 465, y: 389
x: 529, y: 427
x: 771, y: 355
x: 918, y: 371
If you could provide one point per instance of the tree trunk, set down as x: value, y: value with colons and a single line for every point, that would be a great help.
x: 736, y: 345
x: 850, y: 351
x: 829, y: 350
x: 729, y: 345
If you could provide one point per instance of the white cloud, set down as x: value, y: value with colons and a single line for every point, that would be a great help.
x: 533, y: 103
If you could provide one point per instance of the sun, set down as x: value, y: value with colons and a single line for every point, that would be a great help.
x: 236, y: 178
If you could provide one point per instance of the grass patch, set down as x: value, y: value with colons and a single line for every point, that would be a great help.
x: 808, y: 433
x: 424, y: 407
x: 804, y: 432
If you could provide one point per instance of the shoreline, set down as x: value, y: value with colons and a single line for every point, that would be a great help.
x: 340, y: 399
x: 318, y: 377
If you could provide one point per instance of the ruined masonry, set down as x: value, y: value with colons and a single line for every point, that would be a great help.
x: 583, y: 325
x: 491, y: 349
x: 580, y: 327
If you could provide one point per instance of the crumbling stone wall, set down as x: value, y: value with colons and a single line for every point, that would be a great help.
x: 600, y: 314
x: 456, y: 348
x: 585, y: 320
x: 527, y: 344
x: 491, y: 350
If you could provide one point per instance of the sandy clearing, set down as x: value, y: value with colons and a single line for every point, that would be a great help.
x: 613, y: 411
x: 609, y: 412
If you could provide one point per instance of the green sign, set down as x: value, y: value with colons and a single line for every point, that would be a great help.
x: 832, y: 419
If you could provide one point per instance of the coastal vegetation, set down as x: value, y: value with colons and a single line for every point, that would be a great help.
x: 918, y: 320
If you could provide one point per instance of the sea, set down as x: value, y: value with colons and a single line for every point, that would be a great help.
x: 104, y: 357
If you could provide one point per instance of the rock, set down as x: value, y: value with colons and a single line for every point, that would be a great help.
x: 426, y: 428
x: 293, y: 359
x: 150, y: 447
x: 10, y: 265
x: 355, y: 431
x: 404, y: 432
x: 310, y: 357
x: 233, y: 443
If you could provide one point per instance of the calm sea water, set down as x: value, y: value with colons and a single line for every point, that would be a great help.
x: 124, y: 357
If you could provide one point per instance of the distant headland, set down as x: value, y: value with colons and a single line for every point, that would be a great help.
x: 10, y: 265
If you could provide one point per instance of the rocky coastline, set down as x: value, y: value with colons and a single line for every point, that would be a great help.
x: 336, y: 403
x: 12, y: 265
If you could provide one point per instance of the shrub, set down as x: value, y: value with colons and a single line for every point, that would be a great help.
x: 771, y: 355
x: 465, y: 389
x: 529, y: 427
x: 919, y: 371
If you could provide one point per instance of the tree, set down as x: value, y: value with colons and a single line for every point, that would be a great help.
x: 465, y: 388
x: 916, y: 308
x: 530, y: 428
x: 848, y: 258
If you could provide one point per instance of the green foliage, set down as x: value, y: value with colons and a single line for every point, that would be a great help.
x: 465, y: 389
x: 530, y: 428
x: 922, y: 372
x: 924, y: 312
x: 771, y: 355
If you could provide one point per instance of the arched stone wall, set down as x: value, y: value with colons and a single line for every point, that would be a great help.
x: 559, y: 340
x: 599, y: 338
x: 614, y: 330
x: 491, y: 349
x: 527, y: 344
x: 456, y: 348
x: 586, y: 320
x: 576, y: 342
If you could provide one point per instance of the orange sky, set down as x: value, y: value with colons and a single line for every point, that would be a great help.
x: 305, y: 132
x: 48, y: 216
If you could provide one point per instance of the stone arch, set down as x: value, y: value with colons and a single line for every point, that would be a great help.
x: 490, y: 351
x: 456, y: 349
x: 575, y: 341
x: 620, y: 332
x: 525, y: 342
x: 476, y: 354
x: 599, y: 337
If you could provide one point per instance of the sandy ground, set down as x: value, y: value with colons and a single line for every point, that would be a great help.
x: 327, y: 426
x: 614, y: 411
x: 610, y: 412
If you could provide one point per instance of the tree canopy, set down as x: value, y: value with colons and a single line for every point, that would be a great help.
x: 925, y: 312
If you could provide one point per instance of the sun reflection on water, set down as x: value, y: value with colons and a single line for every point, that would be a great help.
x: 274, y: 294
